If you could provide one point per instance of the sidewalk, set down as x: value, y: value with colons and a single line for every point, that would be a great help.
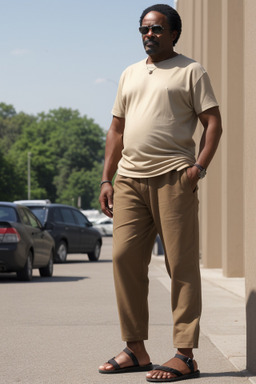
x: 59, y: 330
x: 223, y: 321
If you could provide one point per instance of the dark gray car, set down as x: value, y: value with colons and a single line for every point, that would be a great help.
x: 70, y: 229
x: 24, y: 243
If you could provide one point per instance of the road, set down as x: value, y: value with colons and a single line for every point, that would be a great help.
x: 59, y: 330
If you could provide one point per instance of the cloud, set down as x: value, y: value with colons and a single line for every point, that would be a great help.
x: 19, y: 52
x: 101, y: 80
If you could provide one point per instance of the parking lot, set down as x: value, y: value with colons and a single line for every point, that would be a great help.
x: 60, y: 329
x: 45, y: 324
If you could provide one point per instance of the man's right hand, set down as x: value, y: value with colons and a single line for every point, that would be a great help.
x: 106, y: 199
x: 113, y: 153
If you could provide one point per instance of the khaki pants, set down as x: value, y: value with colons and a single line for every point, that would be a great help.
x: 144, y: 207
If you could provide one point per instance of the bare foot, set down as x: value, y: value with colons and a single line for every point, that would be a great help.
x: 174, y: 363
x: 124, y: 360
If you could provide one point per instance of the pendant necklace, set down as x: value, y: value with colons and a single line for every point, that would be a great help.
x: 151, y: 68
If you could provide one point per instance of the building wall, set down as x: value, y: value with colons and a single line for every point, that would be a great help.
x: 221, y: 35
x: 249, y: 178
x: 213, y: 35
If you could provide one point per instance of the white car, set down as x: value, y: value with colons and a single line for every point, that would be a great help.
x: 36, y: 202
x: 104, y: 226
x: 93, y: 215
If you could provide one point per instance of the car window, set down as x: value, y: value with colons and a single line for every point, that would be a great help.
x: 57, y: 216
x: 24, y: 217
x: 33, y: 221
x: 40, y: 213
x: 8, y: 214
x: 107, y: 222
x: 81, y: 219
x: 67, y: 216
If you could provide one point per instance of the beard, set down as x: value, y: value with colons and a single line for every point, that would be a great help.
x: 151, y: 46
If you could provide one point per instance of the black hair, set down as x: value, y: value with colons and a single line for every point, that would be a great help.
x: 171, y: 14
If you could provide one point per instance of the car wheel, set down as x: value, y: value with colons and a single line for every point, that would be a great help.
x: 95, y: 255
x: 62, y: 251
x: 25, y: 274
x: 158, y: 248
x: 48, y: 270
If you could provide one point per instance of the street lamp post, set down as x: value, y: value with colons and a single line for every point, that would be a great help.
x: 29, y: 179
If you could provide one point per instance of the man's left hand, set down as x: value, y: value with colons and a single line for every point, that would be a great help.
x: 192, y: 173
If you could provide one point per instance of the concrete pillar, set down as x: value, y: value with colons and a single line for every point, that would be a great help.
x: 201, y: 40
x: 250, y: 180
x: 232, y: 140
x: 186, y: 41
x: 211, y: 233
x: 198, y: 31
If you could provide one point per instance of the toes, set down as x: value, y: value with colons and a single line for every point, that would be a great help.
x: 106, y: 367
x: 150, y: 374
x: 159, y: 375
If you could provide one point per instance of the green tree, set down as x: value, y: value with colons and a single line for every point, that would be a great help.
x: 64, y: 147
x: 11, y: 187
x: 83, y: 184
x: 7, y: 110
x: 11, y: 125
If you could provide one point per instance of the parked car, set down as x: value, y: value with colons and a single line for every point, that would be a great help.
x: 70, y: 229
x: 93, y: 214
x: 104, y: 226
x: 24, y: 243
x: 158, y: 248
x: 47, y: 201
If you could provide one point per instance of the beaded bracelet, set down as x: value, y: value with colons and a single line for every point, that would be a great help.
x: 105, y: 181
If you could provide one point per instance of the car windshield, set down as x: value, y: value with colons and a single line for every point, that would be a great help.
x: 40, y: 213
x: 7, y: 214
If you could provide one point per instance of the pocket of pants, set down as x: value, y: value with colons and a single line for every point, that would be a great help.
x: 187, y: 182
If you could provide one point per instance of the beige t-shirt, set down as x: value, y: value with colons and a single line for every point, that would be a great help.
x: 160, y: 111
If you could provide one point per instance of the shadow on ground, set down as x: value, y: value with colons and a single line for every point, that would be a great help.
x: 11, y: 279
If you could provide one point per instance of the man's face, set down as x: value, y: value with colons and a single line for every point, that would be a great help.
x: 158, y: 46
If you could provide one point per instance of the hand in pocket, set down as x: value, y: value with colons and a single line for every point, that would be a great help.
x: 192, y: 173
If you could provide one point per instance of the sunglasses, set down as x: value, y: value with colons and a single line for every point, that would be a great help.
x: 156, y: 29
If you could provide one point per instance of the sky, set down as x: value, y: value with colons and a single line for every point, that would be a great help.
x: 68, y: 53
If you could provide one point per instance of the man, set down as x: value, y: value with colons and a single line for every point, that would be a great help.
x: 158, y: 103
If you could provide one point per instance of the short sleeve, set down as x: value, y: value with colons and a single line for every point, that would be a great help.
x: 119, y: 105
x: 203, y: 95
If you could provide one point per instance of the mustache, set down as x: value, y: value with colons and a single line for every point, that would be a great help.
x: 152, y: 41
